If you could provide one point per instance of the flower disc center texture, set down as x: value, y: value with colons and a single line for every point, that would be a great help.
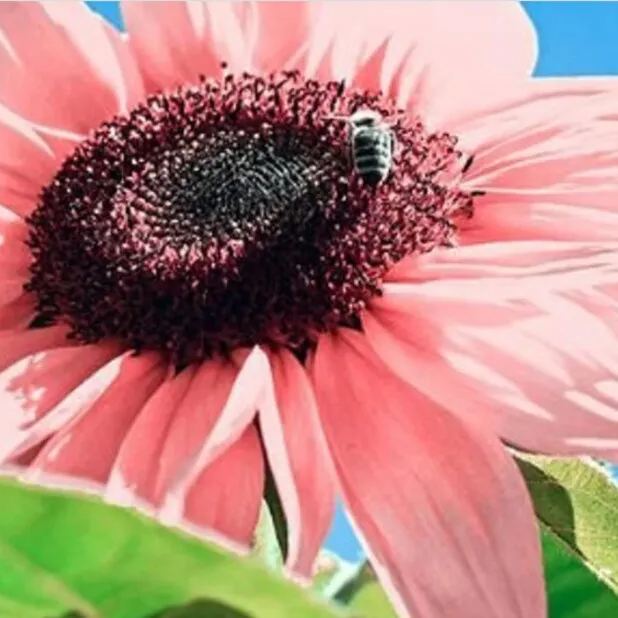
x: 229, y: 213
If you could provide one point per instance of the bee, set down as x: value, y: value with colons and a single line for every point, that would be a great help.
x: 372, y: 144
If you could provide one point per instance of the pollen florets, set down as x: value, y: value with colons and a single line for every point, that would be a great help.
x: 228, y: 213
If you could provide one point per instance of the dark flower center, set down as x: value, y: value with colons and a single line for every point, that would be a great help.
x: 231, y: 213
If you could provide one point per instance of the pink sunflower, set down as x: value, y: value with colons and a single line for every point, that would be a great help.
x: 201, y: 287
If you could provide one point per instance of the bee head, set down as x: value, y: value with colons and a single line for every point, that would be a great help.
x: 365, y: 118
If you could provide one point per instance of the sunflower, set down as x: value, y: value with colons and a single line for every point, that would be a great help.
x: 201, y: 288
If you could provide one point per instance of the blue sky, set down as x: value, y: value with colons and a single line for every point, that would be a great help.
x: 575, y: 38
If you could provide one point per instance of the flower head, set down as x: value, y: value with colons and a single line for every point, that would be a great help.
x: 225, y: 214
x: 200, y: 286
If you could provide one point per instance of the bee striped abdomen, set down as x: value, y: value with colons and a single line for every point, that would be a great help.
x: 372, y: 150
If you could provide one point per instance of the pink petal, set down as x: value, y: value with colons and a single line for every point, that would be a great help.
x: 17, y: 344
x: 522, y: 336
x: 139, y: 468
x: 176, y: 42
x: 452, y: 66
x: 171, y: 42
x: 135, y: 89
x: 368, y: 73
x: 229, y: 412
x: 60, y: 66
x: 282, y: 33
x: 23, y: 460
x: 541, y: 105
x: 32, y: 441
x: 87, y: 446
x: 167, y: 437
x: 454, y: 56
x: 299, y: 460
x: 231, y: 29
x: 14, y: 256
x: 548, y: 164
x: 27, y: 163
x: 17, y: 314
x: 185, y: 431
x: 33, y: 386
x: 162, y: 458
x: 439, y: 503
x: 227, y: 495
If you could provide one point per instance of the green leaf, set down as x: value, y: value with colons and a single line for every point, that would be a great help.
x: 572, y: 590
x: 577, y: 503
x: 65, y: 555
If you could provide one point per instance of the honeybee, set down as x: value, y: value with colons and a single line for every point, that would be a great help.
x: 372, y: 144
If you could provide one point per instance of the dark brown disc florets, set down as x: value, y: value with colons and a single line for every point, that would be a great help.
x: 228, y: 213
